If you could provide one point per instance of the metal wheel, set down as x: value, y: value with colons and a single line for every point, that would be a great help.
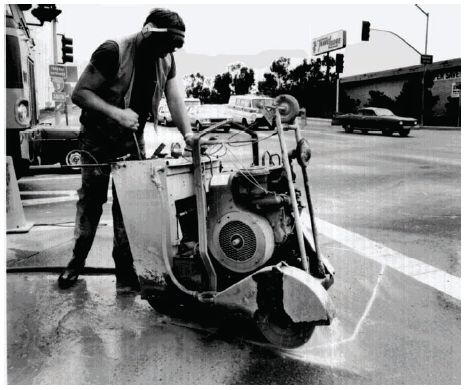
x: 282, y: 331
x: 288, y: 106
x: 364, y: 131
x: 348, y: 128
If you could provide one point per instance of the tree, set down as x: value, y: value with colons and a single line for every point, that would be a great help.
x: 347, y: 104
x: 409, y: 101
x: 243, y: 81
x: 379, y: 99
x: 268, y: 86
x: 194, y: 83
x: 222, y: 88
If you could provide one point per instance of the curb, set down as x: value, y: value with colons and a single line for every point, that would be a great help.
x: 448, y: 128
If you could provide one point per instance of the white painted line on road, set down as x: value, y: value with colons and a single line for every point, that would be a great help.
x: 48, y: 178
x: 69, y: 196
x: 56, y: 199
x: 58, y: 225
x: 49, y: 192
x: 416, y: 269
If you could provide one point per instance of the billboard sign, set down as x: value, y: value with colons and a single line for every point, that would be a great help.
x: 329, y: 42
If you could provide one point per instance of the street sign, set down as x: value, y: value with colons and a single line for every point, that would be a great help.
x: 58, y: 84
x: 57, y: 71
x: 456, y: 90
x: 426, y: 59
x: 329, y: 42
x: 72, y: 73
x: 59, y: 96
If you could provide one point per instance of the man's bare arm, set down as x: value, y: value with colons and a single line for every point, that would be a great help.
x: 177, y: 107
x: 85, y: 97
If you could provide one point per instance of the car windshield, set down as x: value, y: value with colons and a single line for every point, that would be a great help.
x: 383, y: 112
x: 261, y: 103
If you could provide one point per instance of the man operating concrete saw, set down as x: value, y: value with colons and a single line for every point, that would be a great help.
x: 120, y: 87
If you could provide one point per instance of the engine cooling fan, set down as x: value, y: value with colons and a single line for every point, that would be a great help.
x: 241, y: 241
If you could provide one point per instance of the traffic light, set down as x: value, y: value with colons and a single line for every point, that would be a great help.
x: 44, y: 12
x: 67, y: 49
x: 365, y: 31
x: 339, y: 63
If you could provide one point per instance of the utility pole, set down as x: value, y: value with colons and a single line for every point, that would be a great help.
x: 427, y: 14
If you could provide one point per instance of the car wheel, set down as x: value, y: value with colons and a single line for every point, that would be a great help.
x: 348, y: 128
x: 387, y: 132
x: 198, y: 127
x: 244, y: 122
x: 404, y: 133
x: 364, y: 131
x: 226, y: 129
x: 164, y: 122
x: 73, y: 158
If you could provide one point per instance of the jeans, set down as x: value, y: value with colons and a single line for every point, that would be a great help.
x: 91, y: 197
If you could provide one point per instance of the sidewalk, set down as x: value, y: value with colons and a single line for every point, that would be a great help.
x: 51, y: 246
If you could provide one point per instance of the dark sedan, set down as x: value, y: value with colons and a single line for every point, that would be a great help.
x: 376, y: 119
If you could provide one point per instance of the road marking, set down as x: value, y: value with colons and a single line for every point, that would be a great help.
x: 416, y: 269
x: 50, y: 192
x: 68, y: 196
x: 49, y: 178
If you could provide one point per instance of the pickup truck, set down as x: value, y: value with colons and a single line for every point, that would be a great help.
x: 376, y: 119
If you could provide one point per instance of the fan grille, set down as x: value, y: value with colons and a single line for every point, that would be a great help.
x: 238, y: 241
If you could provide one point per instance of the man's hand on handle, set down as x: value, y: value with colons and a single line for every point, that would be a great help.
x: 128, y: 119
x: 189, y: 139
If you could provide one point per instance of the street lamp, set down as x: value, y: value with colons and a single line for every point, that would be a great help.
x: 427, y: 14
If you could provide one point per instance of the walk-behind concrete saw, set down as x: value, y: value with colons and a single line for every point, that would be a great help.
x: 235, y: 239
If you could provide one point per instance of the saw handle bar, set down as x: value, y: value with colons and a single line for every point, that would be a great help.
x: 198, y: 142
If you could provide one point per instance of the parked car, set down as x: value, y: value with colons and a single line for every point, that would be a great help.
x: 164, y: 116
x: 206, y: 115
x: 375, y: 119
x: 247, y: 109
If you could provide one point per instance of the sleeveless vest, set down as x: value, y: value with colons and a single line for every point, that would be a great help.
x: 118, y: 93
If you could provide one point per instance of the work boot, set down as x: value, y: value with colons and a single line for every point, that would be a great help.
x: 68, y: 278
x: 127, y: 284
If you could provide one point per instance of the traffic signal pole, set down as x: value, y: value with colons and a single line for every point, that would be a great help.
x: 337, y: 93
x: 56, y: 61
x: 422, y: 101
x: 427, y: 14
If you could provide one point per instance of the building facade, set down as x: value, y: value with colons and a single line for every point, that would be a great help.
x: 443, y: 81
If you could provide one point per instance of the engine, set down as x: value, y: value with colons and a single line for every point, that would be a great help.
x: 249, y: 217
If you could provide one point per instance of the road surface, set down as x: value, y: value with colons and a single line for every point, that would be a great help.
x: 389, y: 220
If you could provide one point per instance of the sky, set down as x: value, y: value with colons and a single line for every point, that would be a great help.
x: 248, y: 29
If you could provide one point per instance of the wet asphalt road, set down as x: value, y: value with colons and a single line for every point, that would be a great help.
x: 390, y: 329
